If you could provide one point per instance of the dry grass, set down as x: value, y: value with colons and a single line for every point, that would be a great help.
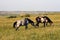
x: 7, y: 32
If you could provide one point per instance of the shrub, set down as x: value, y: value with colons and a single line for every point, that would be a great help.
x: 12, y: 17
x: 27, y: 15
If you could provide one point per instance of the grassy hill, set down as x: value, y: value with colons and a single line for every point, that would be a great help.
x: 7, y: 32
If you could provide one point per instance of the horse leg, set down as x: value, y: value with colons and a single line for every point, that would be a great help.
x: 50, y: 24
x: 37, y: 24
x: 44, y: 24
x: 17, y: 28
x: 26, y: 26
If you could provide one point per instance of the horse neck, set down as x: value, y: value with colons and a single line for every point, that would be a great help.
x: 30, y: 21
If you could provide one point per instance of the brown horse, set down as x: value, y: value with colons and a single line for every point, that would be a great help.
x: 44, y: 20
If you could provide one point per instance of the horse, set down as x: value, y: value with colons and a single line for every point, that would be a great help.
x: 44, y: 20
x: 23, y: 22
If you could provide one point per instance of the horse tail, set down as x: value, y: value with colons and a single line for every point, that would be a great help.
x: 14, y: 24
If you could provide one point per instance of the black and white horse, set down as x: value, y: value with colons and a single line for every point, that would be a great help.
x: 24, y: 22
x: 44, y: 20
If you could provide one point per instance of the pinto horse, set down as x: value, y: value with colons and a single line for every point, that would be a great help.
x: 44, y: 20
x: 24, y: 22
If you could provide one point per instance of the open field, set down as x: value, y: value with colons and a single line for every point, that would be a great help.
x: 7, y: 32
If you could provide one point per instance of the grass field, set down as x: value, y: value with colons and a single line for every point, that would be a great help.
x: 7, y: 32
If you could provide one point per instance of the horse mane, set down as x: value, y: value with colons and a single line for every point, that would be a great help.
x: 30, y: 21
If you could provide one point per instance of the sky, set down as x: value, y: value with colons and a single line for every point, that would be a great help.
x: 29, y: 5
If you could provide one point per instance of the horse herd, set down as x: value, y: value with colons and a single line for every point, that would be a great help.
x: 45, y: 20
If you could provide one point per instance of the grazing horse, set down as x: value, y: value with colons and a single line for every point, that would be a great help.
x: 44, y: 20
x: 24, y: 22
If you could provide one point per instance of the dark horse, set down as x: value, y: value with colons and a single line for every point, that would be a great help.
x: 44, y: 20
x: 24, y: 22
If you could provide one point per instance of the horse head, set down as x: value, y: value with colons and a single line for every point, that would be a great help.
x: 30, y: 21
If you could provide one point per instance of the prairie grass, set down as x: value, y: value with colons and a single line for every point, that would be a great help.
x: 7, y: 32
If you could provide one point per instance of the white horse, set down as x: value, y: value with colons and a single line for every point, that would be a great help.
x: 23, y: 22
